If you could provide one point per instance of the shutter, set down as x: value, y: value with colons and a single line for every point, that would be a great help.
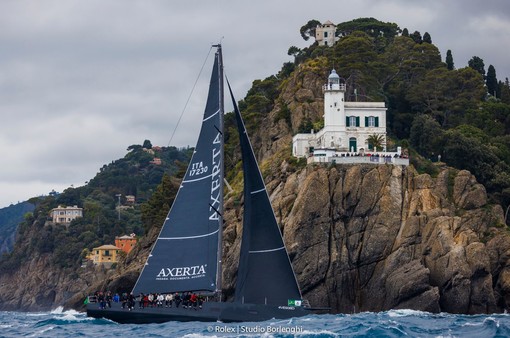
x: 347, y: 121
x: 377, y: 121
x: 357, y: 121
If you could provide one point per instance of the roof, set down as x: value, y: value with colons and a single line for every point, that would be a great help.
x: 333, y: 75
x: 64, y: 208
x: 126, y: 237
x: 107, y: 247
x: 327, y: 23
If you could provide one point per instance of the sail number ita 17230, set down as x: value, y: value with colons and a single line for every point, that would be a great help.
x: 198, y: 169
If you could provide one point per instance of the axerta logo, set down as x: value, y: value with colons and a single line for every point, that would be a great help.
x: 185, y: 272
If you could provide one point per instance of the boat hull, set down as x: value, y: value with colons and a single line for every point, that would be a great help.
x: 210, y: 312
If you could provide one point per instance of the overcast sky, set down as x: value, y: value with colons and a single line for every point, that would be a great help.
x: 80, y: 81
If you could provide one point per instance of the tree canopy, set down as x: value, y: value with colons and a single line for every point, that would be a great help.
x: 492, y: 81
x: 449, y: 60
x: 308, y: 30
x: 477, y: 64
x: 370, y: 26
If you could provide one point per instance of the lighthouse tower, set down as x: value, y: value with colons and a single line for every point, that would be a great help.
x: 334, y: 133
x: 334, y: 111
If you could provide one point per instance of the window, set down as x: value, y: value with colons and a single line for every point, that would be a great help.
x: 352, y: 121
x: 325, y: 34
x: 371, y: 121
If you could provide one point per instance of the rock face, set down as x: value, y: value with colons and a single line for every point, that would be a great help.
x: 372, y: 238
x: 360, y: 238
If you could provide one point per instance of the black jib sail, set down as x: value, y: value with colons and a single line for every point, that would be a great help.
x: 185, y: 255
x: 265, y: 274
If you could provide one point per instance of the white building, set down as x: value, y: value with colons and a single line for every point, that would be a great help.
x: 325, y: 34
x: 65, y: 215
x: 347, y: 129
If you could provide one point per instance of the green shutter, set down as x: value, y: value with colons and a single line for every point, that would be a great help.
x: 347, y: 121
x: 377, y: 121
x: 357, y: 121
x: 366, y: 121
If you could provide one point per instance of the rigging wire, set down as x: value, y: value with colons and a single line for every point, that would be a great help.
x: 189, y: 97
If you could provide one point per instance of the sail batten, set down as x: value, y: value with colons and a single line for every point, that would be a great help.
x: 267, y: 250
x: 190, y: 237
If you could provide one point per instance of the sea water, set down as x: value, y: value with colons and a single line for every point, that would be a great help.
x: 395, y: 323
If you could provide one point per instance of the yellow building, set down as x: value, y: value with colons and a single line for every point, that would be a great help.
x: 105, y: 255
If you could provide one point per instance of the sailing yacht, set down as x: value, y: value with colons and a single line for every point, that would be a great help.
x: 187, y: 253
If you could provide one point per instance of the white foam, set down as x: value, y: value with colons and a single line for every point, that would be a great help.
x: 58, y: 310
x: 407, y: 312
x: 492, y: 319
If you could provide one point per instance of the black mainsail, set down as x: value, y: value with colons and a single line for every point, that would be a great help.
x: 186, y: 255
x: 265, y: 274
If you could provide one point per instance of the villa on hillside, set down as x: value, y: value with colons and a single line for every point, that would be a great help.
x: 126, y: 243
x: 348, y: 133
x: 130, y: 199
x: 105, y: 255
x: 65, y: 215
x: 325, y: 34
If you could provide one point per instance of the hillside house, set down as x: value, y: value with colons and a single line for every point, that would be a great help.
x: 65, y: 215
x: 126, y: 243
x: 325, y: 34
x: 105, y: 255
x: 130, y: 199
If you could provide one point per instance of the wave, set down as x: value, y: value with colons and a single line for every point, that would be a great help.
x: 407, y: 312
x: 393, y: 323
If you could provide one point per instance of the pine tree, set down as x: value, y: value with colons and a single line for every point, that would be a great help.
x: 449, y: 60
x: 416, y: 36
x: 491, y: 81
x: 405, y: 32
x: 427, y: 38
x: 477, y: 64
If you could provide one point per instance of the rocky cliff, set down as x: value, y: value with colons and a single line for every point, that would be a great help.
x: 372, y: 238
x: 361, y: 238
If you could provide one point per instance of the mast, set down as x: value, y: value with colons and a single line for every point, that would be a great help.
x: 220, y: 220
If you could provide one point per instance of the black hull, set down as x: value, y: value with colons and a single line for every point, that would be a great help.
x: 210, y: 312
